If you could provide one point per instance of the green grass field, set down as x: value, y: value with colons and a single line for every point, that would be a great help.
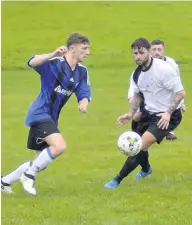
x: 70, y: 191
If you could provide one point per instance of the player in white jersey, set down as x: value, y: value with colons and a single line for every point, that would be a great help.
x: 162, y: 91
x: 157, y: 51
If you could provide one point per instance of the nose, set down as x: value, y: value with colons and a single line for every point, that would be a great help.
x: 138, y: 57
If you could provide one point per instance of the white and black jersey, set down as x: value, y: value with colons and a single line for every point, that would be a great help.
x: 167, y: 59
x: 158, y: 84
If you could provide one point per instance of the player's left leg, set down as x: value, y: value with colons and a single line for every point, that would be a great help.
x: 171, y: 136
x: 155, y: 133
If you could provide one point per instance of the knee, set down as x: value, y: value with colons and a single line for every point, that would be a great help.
x: 147, y: 140
x: 57, y: 144
x: 59, y: 148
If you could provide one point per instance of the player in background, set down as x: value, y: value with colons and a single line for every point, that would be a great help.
x: 158, y: 51
x: 60, y: 77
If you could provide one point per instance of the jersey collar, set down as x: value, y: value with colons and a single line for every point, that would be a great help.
x: 69, y: 65
x: 148, y: 66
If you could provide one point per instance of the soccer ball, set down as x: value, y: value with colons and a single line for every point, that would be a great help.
x: 129, y: 143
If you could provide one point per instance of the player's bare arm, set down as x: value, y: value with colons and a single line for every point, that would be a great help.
x: 165, y: 117
x: 135, y: 104
x: 39, y: 59
x: 176, y: 100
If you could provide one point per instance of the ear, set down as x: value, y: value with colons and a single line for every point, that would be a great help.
x: 71, y: 47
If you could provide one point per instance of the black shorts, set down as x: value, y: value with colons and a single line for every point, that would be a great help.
x: 37, y: 133
x: 149, y: 122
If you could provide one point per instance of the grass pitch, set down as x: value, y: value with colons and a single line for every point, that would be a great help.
x: 70, y: 191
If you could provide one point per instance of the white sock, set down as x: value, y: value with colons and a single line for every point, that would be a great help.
x: 41, y: 162
x: 15, y: 175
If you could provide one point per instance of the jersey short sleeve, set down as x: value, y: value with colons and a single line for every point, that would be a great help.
x: 130, y: 92
x: 171, y: 80
x: 133, y: 86
x: 44, y: 68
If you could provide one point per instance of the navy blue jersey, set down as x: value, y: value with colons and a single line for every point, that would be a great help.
x: 58, y: 83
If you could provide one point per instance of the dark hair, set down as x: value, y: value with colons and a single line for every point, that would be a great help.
x: 141, y: 43
x: 77, y: 38
x: 157, y: 42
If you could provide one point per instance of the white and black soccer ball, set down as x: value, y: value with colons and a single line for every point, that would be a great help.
x: 129, y: 143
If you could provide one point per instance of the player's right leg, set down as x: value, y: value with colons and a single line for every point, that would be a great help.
x: 132, y: 162
x: 43, y: 136
x: 148, y: 139
x: 129, y: 165
x: 13, y: 176
x: 6, y: 187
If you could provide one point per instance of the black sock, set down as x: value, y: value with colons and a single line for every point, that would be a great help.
x: 143, y: 160
x: 130, y: 164
x: 134, y: 125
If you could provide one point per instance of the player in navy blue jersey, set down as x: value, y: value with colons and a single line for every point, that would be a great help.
x: 60, y: 76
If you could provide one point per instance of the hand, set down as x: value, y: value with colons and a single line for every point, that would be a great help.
x: 82, y: 108
x: 60, y: 51
x: 124, y: 119
x: 183, y: 108
x: 164, y: 121
x: 83, y: 105
x: 130, y: 100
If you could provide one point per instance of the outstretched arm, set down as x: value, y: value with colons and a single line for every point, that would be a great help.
x: 40, y: 59
x: 134, y: 107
